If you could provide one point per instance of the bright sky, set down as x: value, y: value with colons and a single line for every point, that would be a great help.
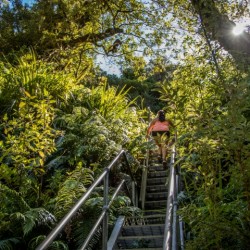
x: 28, y: 1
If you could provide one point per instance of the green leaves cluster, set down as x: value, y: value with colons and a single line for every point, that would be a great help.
x: 210, y: 112
x: 57, y: 135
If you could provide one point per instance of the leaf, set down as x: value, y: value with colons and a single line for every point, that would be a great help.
x: 7, y: 244
x: 41, y: 154
x: 22, y: 104
x: 41, y: 162
x: 27, y: 94
x: 5, y: 118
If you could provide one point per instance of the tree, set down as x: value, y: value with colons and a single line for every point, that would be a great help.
x: 62, y: 24
x: 219, y: 27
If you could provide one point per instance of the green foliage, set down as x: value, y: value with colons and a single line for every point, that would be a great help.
x: 90, y: 213
x: 29, y: 76
x: 72, y: 189
x: 209, y: 112
x: 8, y: 244
x: 62, y: 30
x: 46, y: 167
x: 12, y: 202
x: 142, y: 91
x: 29, y: 139
x: 19, y: 221
x: 100, y: 125
x: 56, y: 244
x: 206, y: 97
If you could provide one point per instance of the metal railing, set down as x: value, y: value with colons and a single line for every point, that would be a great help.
x: 145, y: 172
x: 172, y: 241
x: 106, y: 205
x: 144, y: 179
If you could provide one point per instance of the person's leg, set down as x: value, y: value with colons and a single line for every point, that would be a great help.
x: 164, y: 152
x: 165, y: 149
x: 159, y: 156
x: 159, y: 149
x: 164, y: 155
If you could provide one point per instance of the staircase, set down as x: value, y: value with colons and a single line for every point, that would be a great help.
x: 147, y: 231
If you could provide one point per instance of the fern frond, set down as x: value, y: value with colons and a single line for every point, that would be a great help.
x: 33, y: 244
x: 37, y: 217
x: 8, y: 244
x: 58, y: 245
x: 33, y: 218
x: 81, y: 232
x: 72, y: 189
x: 12, y: 200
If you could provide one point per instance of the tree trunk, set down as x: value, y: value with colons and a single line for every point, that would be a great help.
x: 220, y: 29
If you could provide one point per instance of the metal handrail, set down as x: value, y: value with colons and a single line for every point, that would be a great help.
x: 104, y: 215
x: 145, y: 172
x: 167, y: 232
x: 144, y: 179
x: 170, y: 234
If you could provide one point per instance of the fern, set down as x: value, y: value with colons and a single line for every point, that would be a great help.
x: 8, y: 244
x: 11, y: 200
x: 33, y: 218
x: 55, y: 245
x: 82, y: 230
x: 72, y: 189
x: 37, y: 217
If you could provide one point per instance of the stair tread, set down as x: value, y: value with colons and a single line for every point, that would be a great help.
x: 142, y: 248
x: 157, y: 186
x: 147, y: 216
x: 157, y: 171
x: 156, y: 177
x: 153, y: 202
x: 159, y: 193
x: 140, y: 237
x: 145, y: 225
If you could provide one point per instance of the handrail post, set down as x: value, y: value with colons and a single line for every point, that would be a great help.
x: 133, y: 181
x: 174, y: 220
x: 133, y: 193
x: 169, y: 213
x: 105, y: 207
x: 145, y: 171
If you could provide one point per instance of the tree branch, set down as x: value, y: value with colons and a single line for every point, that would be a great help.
x: 94, y: 38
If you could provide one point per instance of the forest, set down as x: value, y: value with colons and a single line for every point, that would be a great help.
x: 64, y: 117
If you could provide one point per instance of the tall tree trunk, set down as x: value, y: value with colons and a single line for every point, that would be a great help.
x: 220, y: 29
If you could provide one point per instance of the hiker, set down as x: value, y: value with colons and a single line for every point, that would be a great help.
x: 159, y: 129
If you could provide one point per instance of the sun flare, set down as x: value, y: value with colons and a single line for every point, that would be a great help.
x: 238, y: 29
